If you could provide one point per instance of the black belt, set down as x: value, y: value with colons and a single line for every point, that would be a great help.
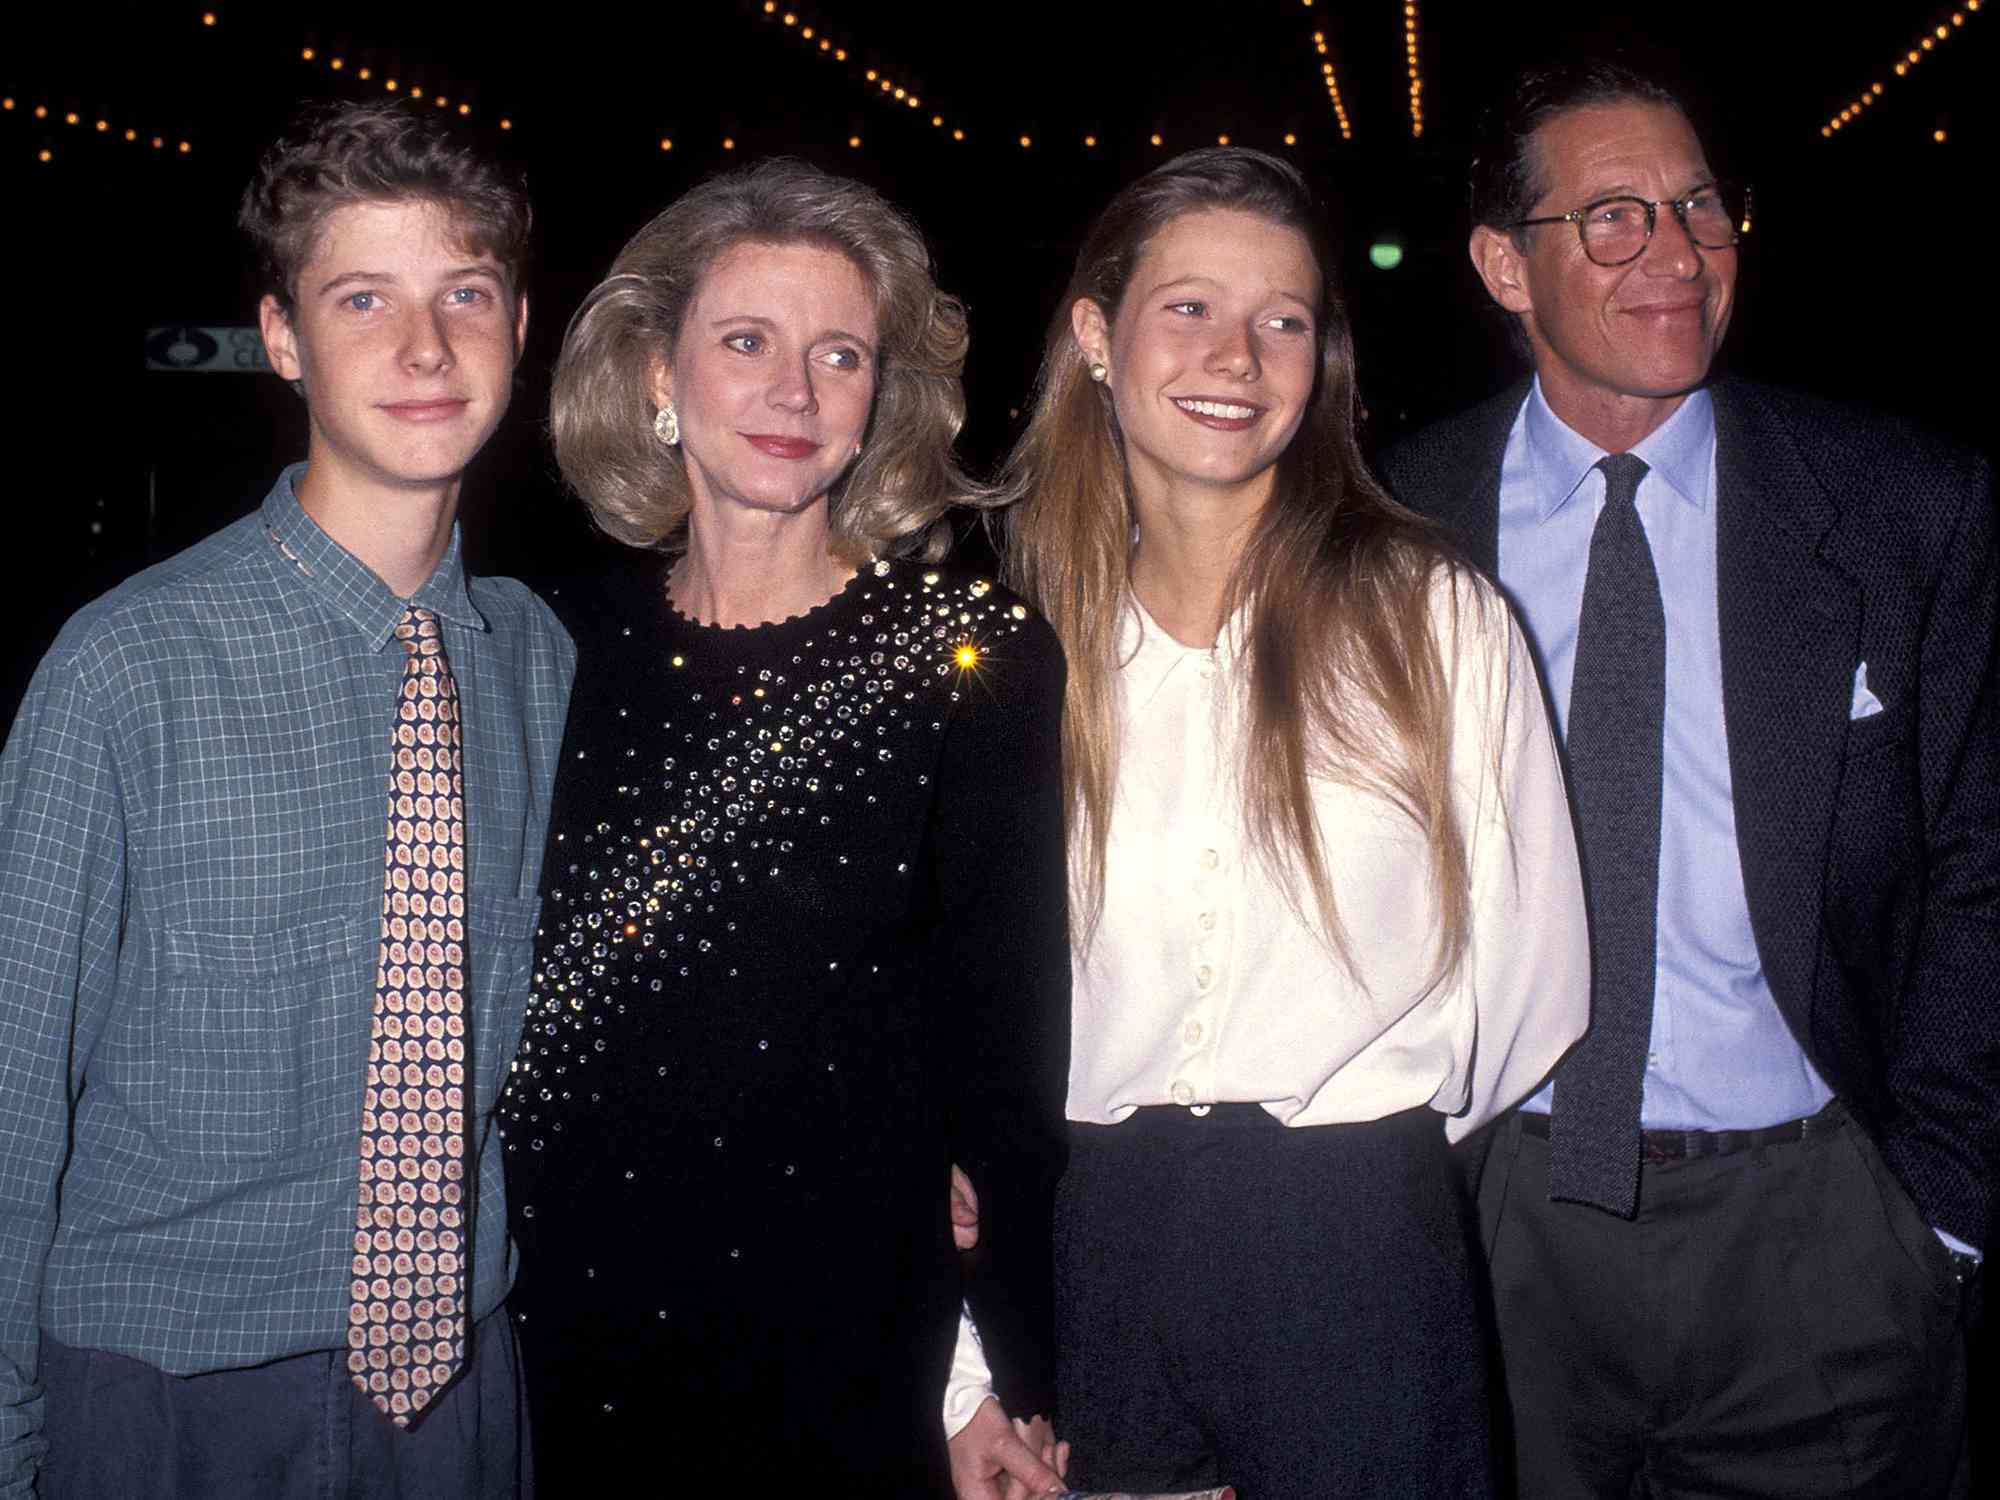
x: 1657, y: 1146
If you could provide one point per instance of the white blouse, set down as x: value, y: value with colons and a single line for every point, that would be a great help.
x: 1203, y: 984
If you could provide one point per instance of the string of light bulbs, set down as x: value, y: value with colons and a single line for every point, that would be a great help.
x: 1924, y: 45
x: 1414, y: 67
x: 335, y: 61
x: 879, y: 83
x: 875, y: 80
x: 1332, y: 82
x: 1092, y: 141
x: 96, y: 124
x: 100, y: 124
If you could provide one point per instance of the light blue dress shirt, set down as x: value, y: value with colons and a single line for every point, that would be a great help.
x: 1721, y: 1055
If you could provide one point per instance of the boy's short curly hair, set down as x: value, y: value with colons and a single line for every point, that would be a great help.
x: 383, y: 151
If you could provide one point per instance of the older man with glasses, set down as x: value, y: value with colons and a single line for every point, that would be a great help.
x: 1730, y: 1240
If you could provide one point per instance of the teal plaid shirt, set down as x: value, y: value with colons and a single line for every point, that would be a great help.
x: 192, y: 806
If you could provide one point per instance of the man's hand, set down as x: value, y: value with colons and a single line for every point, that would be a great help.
x: 1040, y: 1438
x: 993, y: 1459
x: 964, y: 1211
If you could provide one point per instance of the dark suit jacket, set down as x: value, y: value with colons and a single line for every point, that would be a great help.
x: 1870, y: 847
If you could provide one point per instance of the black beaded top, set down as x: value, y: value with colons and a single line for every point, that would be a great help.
x: 802, y: 947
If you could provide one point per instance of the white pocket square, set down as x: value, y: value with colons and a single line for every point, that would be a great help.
x: 1865, y: 702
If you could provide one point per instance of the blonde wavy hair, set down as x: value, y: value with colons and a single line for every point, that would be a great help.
x: 1346, y: 680
x: 893, y: 498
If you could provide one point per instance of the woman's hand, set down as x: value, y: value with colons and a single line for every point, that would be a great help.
x: 993, y: 1459
x: 964, y: 1210
x: 1039, y: 1435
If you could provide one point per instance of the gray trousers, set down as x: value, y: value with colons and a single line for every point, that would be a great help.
x: 1776, y: 1322
x: 294, y: 1429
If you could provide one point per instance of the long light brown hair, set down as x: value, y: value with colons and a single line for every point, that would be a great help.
x: 1337, y: 582
x: 891, y: 499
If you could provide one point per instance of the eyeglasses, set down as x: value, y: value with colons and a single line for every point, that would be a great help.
x: 1616, y: 230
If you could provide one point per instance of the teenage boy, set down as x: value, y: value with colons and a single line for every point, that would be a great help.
x: 252, y: 1236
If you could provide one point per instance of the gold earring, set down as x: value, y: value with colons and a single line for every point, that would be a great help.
x: 1098, y: 372
x: 667, y: 426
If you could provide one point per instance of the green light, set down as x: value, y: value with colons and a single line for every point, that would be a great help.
x: 1385, y: 255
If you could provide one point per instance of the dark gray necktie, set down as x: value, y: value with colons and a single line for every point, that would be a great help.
x: 1617, y: 709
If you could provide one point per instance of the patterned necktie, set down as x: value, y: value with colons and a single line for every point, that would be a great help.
x: 406, y: 1328
x: 1617, y: 713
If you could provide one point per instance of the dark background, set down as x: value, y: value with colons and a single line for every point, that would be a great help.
x: 1867, y: 275
x: 1864, y: 276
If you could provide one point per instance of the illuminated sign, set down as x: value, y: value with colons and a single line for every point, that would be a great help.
x: 207, y: 351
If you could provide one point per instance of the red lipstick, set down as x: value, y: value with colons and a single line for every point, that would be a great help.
x: 779, y: 446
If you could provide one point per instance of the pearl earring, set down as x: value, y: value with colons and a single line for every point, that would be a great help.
x: 667, y: 426
x: 1098, y: 372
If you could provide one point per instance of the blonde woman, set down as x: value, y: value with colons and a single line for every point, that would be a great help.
x: 1325, y: 898
x: 806, y: 854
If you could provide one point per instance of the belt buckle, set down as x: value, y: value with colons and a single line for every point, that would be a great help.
x: 1658, y: 1148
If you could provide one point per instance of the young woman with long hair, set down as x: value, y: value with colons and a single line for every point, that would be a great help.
x: 1326, y: 912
